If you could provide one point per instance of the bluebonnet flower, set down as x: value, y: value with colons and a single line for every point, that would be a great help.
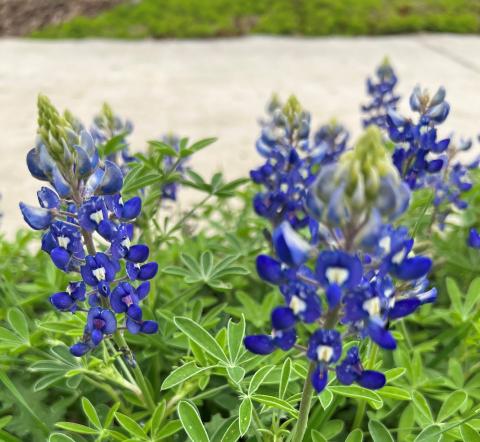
x: 474, y: 238
x: 330, y: 141
x: 418, y: 153
x: 86, y: 204
x: 356, y: 275
x: 381, y: 91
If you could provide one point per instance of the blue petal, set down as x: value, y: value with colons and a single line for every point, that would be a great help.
x: 135, y: 312
x: 285, y: 339
x: 147, y: 271
x: 269, y: 269
x: 474, y: 239
x: 371, y: 379
x: 34, y: 165
x: 133, y: 326
x: 413, y: 268
x: 290, y: 247
x: 143, y: 289
x: 149, y: 327
x: 138, y: 253
x: 97, y: 336
x: 403, y: 307
x: 334, y: 295
x: 37, y: 218
x: 62, y: 301
x: 283, y: 318
x: 320, y: 378
x: 60, y: 184
x: 60, y: 257
x: 132, y: 208
x: 112, y: 179
x: 47, y: 198
x: 110, y: 322
x: 259, y: 344
x: 79, y: 349
x: 380, y: 336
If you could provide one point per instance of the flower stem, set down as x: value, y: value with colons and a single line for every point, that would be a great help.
x: 307, y: 394
x: 372, y: 356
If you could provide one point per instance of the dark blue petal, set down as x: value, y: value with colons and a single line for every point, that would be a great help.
x: 133, y: 326
x: 138, y: 253
x: 290, y: 247
x: 79, y: 349
x: 143, y: 289
x: 34, y: 165
x: 112, y: 180
x: 110, y: 322
x: 149, y: 327
x: 259, y: 344
x: 334, y: 295
x: 380, y: 336
x: 62, y: 301
x: 403, y: 307
x: 37, y: 218
x: 47, y: 198
x: 474, y: 239
x: 371, y: 379
x: 132, y: 208
x: 269, y: 269
x: 413, y: 268
x: 147, y: 271
x: 97, y: 336
x: 135, y: 312
x: 285, y: 339
x: 60, y: 257
x: 320, y: 378
x: 283, y: 318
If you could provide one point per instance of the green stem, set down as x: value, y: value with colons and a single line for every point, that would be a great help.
x: 372, y: 356
x: 307, y: 395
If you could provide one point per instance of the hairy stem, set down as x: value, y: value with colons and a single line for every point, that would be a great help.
x: 305, y: 403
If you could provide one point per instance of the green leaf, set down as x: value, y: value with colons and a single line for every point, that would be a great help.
x: 358, y: 392
x: 168, y: 429
x: 326, y: 398
x: 236, y: 373
x: 111, y: 415
x: 355, y: 436
x: 473, y: 296
x: 91, y: 413
x: 432, y: 433
x: 273, y: 402
x: 455, y: 294
x: 469, y: 434
x: 394, y: 373
x: 244, y: 415
x: 19, y: 323
x: 421, y: 405
x: 258, y: 378
x: 451, y: 405
x: 236, y: 333
x: 455, y: 371
x: 379, y: 432
x: 130, y: 425
x: 157, y: 417
x: 232, y: 434
x: 60, y: 437
x: 318, y: 437
x: 181, y: 374
x: 284, y: 378
x: 76, y: 428
x: 191, y: 422
x: 199, y: 335
x: 395, y: 393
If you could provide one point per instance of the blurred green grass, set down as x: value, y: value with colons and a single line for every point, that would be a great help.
x: 217, y: 18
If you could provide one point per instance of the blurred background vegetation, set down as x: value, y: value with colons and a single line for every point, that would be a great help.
x: 222, y: 18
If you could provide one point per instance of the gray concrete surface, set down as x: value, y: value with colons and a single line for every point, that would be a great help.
x: 215, y: 88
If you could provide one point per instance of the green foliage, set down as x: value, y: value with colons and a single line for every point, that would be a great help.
x: 219, y: 18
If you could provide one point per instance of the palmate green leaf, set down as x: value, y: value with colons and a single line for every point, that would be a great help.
x: 472, y: 298
x: 432, y: 433
x: 469, y: 434
x: 19, y: 323
x: 91, y: 413
x: 325, y: 398
x: 455, y: 294
x: 167, y: 430
x: 4, y: 421
x: 318, y: 437
x: 130, y: 425
x: 358, y: 392
x: 394, y: 373
x: 422, y: 407
x: 60, y: 437
x: 200, y: 336
x: 379, y: 432
x: 284, y: 378
x: 181, y: 374
x: 451, y: 405
x: 236, y: 373
x: 355, y: 436
x: 258, y: 378
x: 76, y: 428
x: 236, y: 333
x: 455, y: 371
x: 273, y: 402
x: 395, y: 393
x: 163, y: 148
x: 113, y: 145
x: 232, y: 434
x: 244, y: 415
x: 191, y: 422
x: 332, y: 428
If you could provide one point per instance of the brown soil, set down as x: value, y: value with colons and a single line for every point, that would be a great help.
x: 20, y: 17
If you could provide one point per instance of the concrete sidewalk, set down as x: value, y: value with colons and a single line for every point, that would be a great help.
x: 215, y: 88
